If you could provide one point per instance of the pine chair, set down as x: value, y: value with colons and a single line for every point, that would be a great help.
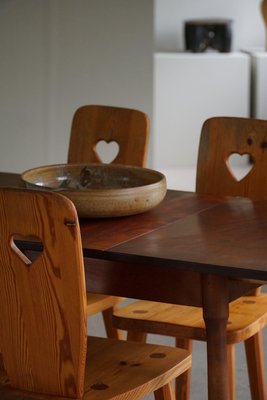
x: 127, y: 129
x: 45, y: 352
x: 221, y: 137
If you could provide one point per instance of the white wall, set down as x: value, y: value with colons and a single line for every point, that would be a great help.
x: 24, y: 84
x: 59, y: 54
x: 99, y: 56
x: 248, y: 26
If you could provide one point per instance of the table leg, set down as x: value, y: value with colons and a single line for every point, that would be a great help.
x: 215, y: 314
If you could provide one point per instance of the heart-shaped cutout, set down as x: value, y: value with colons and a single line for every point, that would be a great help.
x: 107, y: 151
x: 239, y: 165
x: 21, y: 246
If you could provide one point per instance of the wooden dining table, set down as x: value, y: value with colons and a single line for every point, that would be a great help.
x: 191, y: 249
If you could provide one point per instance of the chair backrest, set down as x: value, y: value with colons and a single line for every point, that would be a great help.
x: 43, y: 299
x: 92, y: 124
x: 220, y: 138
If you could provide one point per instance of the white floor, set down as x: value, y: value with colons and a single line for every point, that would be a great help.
x: 184, y: 179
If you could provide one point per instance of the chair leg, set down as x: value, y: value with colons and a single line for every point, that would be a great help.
x: 255, y: 363
x: 231, y: 370
x: 182, y: 382
x: 111, y: 332
x: 136, y: 336
x: 166, y: 392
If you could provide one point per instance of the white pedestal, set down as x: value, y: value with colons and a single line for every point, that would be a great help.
x: 259, y: 83
x: 190, y: 88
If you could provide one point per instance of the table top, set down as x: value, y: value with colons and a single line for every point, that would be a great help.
x: 221, y: 236
x: 229, y: 238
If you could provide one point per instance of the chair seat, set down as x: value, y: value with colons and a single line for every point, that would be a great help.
x: 247, y: 315
x: 99, y: 302
x: 109, y: 371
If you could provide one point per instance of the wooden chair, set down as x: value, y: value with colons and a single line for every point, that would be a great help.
x: 221, y: 137
x: 45, y: 350
x: 129, y: 130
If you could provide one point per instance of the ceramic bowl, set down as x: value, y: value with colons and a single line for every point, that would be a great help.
x: 101, y: 190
